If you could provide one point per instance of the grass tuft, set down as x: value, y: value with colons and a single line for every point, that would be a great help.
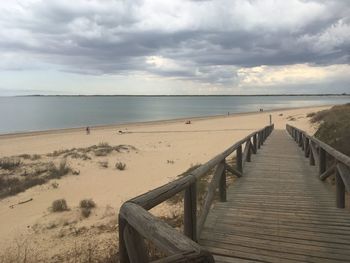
x: 57, y: 172
x: 120, y: 166
x: 59, y: 205
x: 86, y: 205
x: 9, y: 163
x: 334, y: 127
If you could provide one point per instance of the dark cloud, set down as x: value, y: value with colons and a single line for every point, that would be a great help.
x: 200, y: 40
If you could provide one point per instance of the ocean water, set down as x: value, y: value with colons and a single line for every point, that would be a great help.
x: 21, y: 114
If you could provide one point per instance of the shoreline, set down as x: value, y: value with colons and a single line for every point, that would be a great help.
x: 143, y: 123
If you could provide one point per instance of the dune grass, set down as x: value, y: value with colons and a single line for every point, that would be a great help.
x: 334, y: 127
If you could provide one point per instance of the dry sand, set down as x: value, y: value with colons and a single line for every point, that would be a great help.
x: 163, y: 150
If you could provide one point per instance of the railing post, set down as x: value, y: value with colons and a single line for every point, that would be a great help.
x: 123, y: 254
x: 307, y: 147
x: 322, y: 160
x: 311, y: 156
x: 135, y: 245
x: 261, y: 135
x: 248, y: 159
x: 190, y: 212
x: 239, y: 159
x: 300, y: 140
x: 340, y: 189
x: 222, y: 185
x: 303, y: 142
x: 255, y: 144
x: 259, y: 139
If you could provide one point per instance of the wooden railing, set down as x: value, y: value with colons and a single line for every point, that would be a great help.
x: 136, y: 224
x: 328, y: 160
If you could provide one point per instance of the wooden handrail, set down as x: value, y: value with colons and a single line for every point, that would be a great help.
x: 137, y: 224
x: 319, y: 152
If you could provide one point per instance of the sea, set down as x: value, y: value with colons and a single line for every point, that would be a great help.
x: 38, y: 113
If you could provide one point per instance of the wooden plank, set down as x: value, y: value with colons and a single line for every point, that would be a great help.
x: 135, y: 246
x: 322, y: 161
x: 255, y: 144
x: 280, y: 245
x: 123, y: 253
x: 328, y: 172
x: 190, y: 212
x: 233, y: 170
x: 169, y: 240
x: 239, y: 164
x: 222, y: 185
x: 340, y: 190
x: 246, y: 153
x: 344, y: 173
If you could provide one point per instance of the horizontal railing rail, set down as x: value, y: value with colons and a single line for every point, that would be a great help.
x: 329, y: 161
x: 137, y: 224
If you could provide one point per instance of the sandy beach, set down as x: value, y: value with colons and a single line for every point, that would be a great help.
x: 158, y: 152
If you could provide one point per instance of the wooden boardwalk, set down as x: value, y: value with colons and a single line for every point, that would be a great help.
x: 279, y: 211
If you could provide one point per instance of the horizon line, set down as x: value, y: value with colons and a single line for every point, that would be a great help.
x: 178, y: 95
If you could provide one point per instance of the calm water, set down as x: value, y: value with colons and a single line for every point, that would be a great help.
x: 19, y: 114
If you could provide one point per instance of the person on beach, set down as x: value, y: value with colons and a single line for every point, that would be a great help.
x: 87, y: 130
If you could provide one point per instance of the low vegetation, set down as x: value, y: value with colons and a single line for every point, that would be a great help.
x: 120, y: 166
x: 102, y: 149
x: 22, y: 176
x: 86, y: 205
x: 334, y: 127
x: 9, y: 163
x: 56, y: 172
x: 59, y: 205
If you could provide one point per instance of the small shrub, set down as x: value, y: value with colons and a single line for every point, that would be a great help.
x: 58, y: 172
x: 87, y: 203
x: 9, y: 163
x: 120, y: 166
x: 85, y: 212
x: 55, y: 185
x: 59, y: 205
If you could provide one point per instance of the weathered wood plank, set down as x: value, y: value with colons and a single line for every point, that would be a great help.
x: 233, y: 170
x: 169, y: 240
x: 344, y: 173
x: 135, y: 246
x: 328, y: 172
x: 190, y: 212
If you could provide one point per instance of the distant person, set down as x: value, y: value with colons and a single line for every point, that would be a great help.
x: 87, y: 130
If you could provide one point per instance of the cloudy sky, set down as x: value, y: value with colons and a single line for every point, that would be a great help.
x: 174, y: 47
